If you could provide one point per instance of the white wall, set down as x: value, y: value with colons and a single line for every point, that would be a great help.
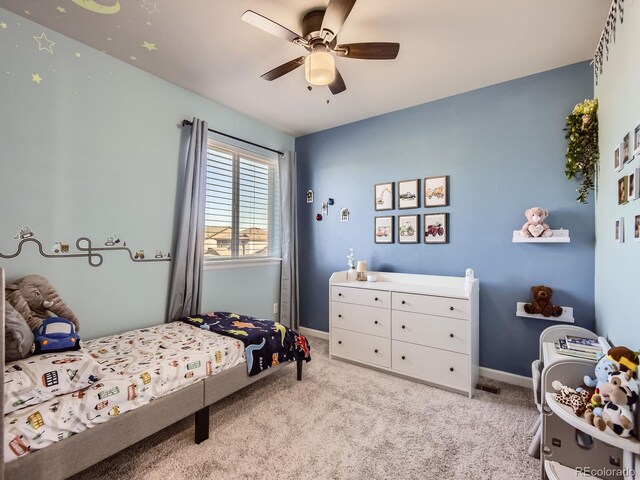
x: 617, y: 265
x: 93, y: 151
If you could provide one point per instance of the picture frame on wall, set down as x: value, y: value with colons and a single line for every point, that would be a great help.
x: 636, y: 139
x: 636, y: 228
x: 436, y: 228
x: 408, y: 229
x: 623, y: 190
x: 626, y: 148
x: 436, y: 191
x: 617, y: 158
x: 408, y: 194
x: 620, y: 230
x: 634, y: 184
x: 384, y: 196
x: 383, y: 229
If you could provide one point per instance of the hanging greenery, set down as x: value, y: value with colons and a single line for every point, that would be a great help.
x: 582, y: 149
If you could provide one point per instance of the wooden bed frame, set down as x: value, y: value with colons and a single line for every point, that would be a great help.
x: 76, y: 453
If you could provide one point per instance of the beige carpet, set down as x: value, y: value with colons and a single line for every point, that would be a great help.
x: 342, y: 422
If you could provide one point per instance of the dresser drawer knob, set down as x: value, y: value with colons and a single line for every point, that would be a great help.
x: 451, y: 335
x: 451, y: 308
x: 339, y: 294
x: 376, y: 350
x: 451, y: 369
x: 339, y: 315
x: 403, y: 302
x: 339, y: 342
x: 403, y: 357
x: 403, y: 327
x: 376, y: 322
x: 376, y: 299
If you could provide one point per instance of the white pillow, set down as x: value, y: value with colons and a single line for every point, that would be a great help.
x: 39, y: 378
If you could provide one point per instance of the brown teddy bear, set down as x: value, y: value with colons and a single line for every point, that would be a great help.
x: 535, y: 226
x: 36, y: 299
x: 541, y: 303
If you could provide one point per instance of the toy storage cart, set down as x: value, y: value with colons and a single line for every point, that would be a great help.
x: 569, y: 443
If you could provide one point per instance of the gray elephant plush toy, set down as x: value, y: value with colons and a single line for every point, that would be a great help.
x: 36, y: 299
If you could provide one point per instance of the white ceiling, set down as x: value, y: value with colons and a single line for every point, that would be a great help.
x: 447, y: 47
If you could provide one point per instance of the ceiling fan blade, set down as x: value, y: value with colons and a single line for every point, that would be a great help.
x: 283, y: 69
x: 335, y: 15
x: 369, y: 51
x: 337, y: 86
x: 269, y: 26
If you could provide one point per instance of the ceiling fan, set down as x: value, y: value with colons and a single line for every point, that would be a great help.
x: 320, y: 38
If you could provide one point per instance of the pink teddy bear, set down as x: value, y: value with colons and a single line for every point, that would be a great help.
x: 535, y: 226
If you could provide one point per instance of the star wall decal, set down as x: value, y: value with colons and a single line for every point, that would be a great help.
x: 3, y: 26
x: 149, y: 46
x: 36, y: 78
x: 78, y: 55
x: 150, y: 7
x: 61, y: 9
x: 44, y: 43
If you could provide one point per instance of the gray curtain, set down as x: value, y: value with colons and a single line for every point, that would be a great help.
x: 289, y: 238
x: 185, y: 292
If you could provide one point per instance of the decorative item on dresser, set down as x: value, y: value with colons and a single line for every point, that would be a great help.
x: 424, y: 327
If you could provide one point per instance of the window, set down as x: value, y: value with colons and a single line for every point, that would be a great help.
x: 242, y: 211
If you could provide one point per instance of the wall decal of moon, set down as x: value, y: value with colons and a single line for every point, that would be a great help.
x: 96, y: 7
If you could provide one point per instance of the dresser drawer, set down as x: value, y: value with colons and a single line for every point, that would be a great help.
x: 445, y: 333
x: 431, y: 364
x: 358, y: 318
x: 361, y: 347
x: 440, y: 306
x: 361, y: 296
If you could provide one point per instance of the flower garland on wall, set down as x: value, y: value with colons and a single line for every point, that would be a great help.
x: 616, y: 12
x: 582, y: 149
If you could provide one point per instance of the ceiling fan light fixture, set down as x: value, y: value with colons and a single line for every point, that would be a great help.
x: 320, y: 67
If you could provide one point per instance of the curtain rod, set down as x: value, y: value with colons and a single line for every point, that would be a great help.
x: 188, y: 122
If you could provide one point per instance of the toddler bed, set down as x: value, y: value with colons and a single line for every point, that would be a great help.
x: 51, y: 398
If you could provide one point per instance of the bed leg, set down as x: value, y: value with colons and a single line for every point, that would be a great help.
x: 202, y: 425
x: 299, y: 366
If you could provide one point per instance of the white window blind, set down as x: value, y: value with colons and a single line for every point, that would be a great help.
x: 242, y: 205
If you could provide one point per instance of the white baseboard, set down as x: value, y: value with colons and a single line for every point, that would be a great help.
x: 506, y: 377
x: 310, y: 332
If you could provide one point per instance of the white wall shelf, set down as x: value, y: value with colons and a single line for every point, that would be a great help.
x: 566, y: 317
x: 559, y: 236
x: 566, y: 414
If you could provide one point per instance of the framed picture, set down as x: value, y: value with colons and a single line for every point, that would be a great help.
x: 626, y: 149
x: 436, y: 191
x: 408, y: 231
x: 636, y: 140
x: 384, y: 196
x: 344, y: 214
x: 409, y: 194
x: 620, y: 230
x: 383, y: 230
x: 617, y: 158
x: 623, y: 190
x: 634, y: 184
x: 636, y: 228
x: 436, y: 228
x: 309, y: 196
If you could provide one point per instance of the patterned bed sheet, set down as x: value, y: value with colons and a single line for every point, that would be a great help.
x: 144, y: 365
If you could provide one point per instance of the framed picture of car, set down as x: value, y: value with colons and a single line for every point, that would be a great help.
x: 408, y: 231
x: 436, y: 228
x: 384, y: 196
x: 409, y: 194
x: 436, y: 191
x: 383, y: 230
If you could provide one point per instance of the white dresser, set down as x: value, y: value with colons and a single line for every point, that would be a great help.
x: 419, y: 326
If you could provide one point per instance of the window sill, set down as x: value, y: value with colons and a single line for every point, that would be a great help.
x: 241, y: 263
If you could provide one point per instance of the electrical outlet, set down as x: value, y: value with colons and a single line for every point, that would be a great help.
x: 275, y: 308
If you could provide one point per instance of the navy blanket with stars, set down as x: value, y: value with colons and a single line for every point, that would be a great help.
x: 266, y: 343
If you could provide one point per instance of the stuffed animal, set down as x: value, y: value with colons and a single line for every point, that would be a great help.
x: 576, y: 399
x: 36, y: 299
x: 541, y: 303
x: 622, y: 392
x: 535, y: 226
x: 611, y: 363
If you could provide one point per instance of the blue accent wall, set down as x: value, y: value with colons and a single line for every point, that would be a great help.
x: 503, y: 148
